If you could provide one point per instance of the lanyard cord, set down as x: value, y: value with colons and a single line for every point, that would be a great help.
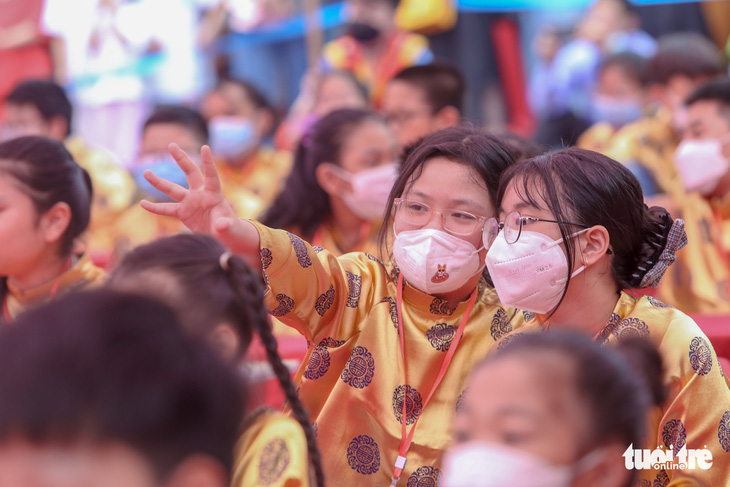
x: 407, y: 438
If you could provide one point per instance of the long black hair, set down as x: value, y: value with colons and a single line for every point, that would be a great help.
x: 303, y: 203
x: 206, y: 294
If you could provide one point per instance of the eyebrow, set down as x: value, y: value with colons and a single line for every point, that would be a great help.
x: 454, y: 202
x: 517, y: 411
x: 518, y: 207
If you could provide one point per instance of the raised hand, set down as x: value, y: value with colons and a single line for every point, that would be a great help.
x: 202, y: 208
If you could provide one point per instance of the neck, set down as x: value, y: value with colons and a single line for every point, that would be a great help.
x: 44, y: 271
x: 588, y: 304
x: 461, y: 294
x: 349, y: 225
x: 723, y: 187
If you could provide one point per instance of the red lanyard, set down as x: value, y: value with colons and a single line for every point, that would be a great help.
x: 407, y: 438
x: 54, y: 290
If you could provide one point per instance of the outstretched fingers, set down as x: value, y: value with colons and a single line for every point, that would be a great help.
x: 191, y: 170
x: 173, y: 190
x: 210, y: 173
x: 164, y: 209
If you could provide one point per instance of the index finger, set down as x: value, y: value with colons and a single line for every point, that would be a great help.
x: 210, y: 173
x: 192, y: 172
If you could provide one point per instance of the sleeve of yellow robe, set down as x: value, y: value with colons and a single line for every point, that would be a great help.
x: 698, y: 413
x: 314, y: 291
x: 272, y: 452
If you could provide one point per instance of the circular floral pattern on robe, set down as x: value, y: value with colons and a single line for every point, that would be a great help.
x: 700, y: 356
x: 613, y: 322
x: 273, y: 462
x: 325, y: 301
x: 661, y: 480
x: 441, y: 307
x: 630, y: 328
x: 674, y: 435
x: 723, y: 431
x: 644, y: 483
x: 286, y: 304
x: 424, y: 477
x: 440, y: 336
x: 657, y: 304
x: 507, y: 340
x: 354, y: 285
x: 393, y: 310
x: 319, y: 363
x: 528, y: 316
x: 460, y: 400
x: 359, y: 369
x: 363, y: 455
x: 300, y: 250
x: 414, y: 403
x: 266, y: 258
x: 500, y: 324
x: 317, y: 249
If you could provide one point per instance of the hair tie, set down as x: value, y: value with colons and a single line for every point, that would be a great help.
x: 676, y: 239
x: 224, y: 260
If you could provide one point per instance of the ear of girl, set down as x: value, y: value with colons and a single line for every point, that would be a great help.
x: 605, y: 241
x: 351, y: 308
x: 46, y: 205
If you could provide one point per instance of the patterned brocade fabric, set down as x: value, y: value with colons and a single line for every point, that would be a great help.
x: 697, y: 411
x: 272, y: 451
x: 351, y: 380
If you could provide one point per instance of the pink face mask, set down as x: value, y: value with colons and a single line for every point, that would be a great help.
x: 530, y: 274
x: 701, y: 164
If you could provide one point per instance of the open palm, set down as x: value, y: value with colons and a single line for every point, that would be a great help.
x: 202, y: 208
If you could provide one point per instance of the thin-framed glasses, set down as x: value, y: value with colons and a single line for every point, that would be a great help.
x: 458, y: 222
x: 512, y: 227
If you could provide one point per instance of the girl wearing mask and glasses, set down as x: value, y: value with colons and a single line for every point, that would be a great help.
x: 392, y: 342
x: 573, y: 234
x: 336, y: 194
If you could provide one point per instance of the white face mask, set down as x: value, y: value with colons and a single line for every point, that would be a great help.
x: 231, y: 136
x: 434, y: 261
x: 370, y: 190
x: 483, y: 464
x: 531, y: 273
x: 701, y: 164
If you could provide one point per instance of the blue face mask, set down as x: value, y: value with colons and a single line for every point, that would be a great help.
x: 231, y: 136
x: 616, y: 111
x: 163, y: 166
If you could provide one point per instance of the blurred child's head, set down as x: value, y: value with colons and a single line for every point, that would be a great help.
x: 103, y: 389
x: 37, y: 107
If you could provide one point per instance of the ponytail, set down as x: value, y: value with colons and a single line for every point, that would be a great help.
x: 249, y: 290
x: 663, y: 237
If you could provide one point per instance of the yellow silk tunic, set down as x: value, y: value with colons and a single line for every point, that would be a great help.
x: 697, y: 411
x: 263, y: 176
x: 351, y: 380
x: 698, y: 281
x: 272, y: 451
x: 82, y: 275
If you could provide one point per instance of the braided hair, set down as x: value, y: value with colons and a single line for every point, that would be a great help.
x: 207, y: 285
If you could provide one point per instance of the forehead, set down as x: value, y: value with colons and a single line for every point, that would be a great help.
x: 158, y: 136
x: 25, y: 112
x: 444, y: 181
x: 401, y: 94
x: 709, y: 112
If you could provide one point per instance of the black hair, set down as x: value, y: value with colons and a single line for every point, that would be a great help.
x: 180, y: 115
x: 717, y: 90
x: 520, y: 148
x: 442, y: 84
x: 46, y: 96
x: 323, y: 144
x: 359, y: 87
x: 115, y: 367
x: 256, y: 97
x: 588, y: 188
x: 684, y: 53
x: 465, y: 144
x: 619, y: 385
x: 631, y: 65
x: 205, y: 294
x: 48, y: 174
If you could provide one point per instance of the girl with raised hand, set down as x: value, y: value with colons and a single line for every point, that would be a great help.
x: 337, y: 191
x: 573, y: 234
x: 45, y: 205
x: 218, y: 298
x: 392, y: 342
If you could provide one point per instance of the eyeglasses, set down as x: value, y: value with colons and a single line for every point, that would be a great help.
x: 457, y: 222
x: 512, y: 226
